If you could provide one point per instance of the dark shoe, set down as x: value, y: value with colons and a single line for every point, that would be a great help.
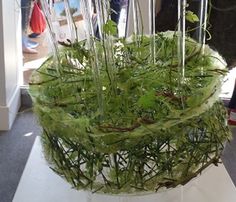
x: 33, y: 35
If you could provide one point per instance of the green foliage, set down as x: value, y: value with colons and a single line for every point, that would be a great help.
x: 110, y: 28
x: 154, y: 131
x: 145, y: 93
x: 191, y: 17
x: 172, y: 157
x: 147, y: 101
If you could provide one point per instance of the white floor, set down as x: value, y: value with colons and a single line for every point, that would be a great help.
x: 40, y: 184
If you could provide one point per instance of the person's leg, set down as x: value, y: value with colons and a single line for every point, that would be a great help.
x: 25, y: 13
x: 232, y: 108
x: 27, y: 45
x: 116, y: 8
x: 232, y: 103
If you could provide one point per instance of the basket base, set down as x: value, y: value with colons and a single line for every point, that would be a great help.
x: 39, y: 183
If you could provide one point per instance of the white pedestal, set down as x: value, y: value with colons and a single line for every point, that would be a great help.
x: 40, y: 184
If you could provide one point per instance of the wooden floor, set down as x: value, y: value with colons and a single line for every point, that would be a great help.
x: 33, y: 61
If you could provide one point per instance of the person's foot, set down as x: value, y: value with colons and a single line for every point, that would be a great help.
x: 29, y: 50
x: 32, y: 44
x: 26, y: 42
x: 232, y: 117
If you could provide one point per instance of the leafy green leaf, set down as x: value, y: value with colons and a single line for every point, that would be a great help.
x: 110, y: 27
x: 148, y: 100
x: 191, y: 17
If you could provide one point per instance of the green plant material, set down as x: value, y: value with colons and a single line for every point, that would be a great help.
x: 147, y: 101
x: 191, y: 17
x: 145, y: 140
x: 170, y: 158
x: 110, y: 28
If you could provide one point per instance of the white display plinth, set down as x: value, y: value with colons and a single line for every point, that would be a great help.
x: 40, y: 184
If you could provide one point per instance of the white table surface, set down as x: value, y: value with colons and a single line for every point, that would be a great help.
x: 40, y: 184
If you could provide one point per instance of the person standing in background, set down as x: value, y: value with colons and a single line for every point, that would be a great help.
x: 26, y: 9
x: 115, y: 6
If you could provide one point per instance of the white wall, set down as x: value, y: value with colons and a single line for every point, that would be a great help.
x: 144, y: 7
x: 10, y: 61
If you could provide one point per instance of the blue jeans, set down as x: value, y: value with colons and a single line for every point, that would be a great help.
x: 116, y: 6
x: 26, y: 6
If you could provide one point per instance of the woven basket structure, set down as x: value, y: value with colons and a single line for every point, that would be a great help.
x: 154, y: 131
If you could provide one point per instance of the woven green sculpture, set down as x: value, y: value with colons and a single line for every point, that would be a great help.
x: 136, y: 127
